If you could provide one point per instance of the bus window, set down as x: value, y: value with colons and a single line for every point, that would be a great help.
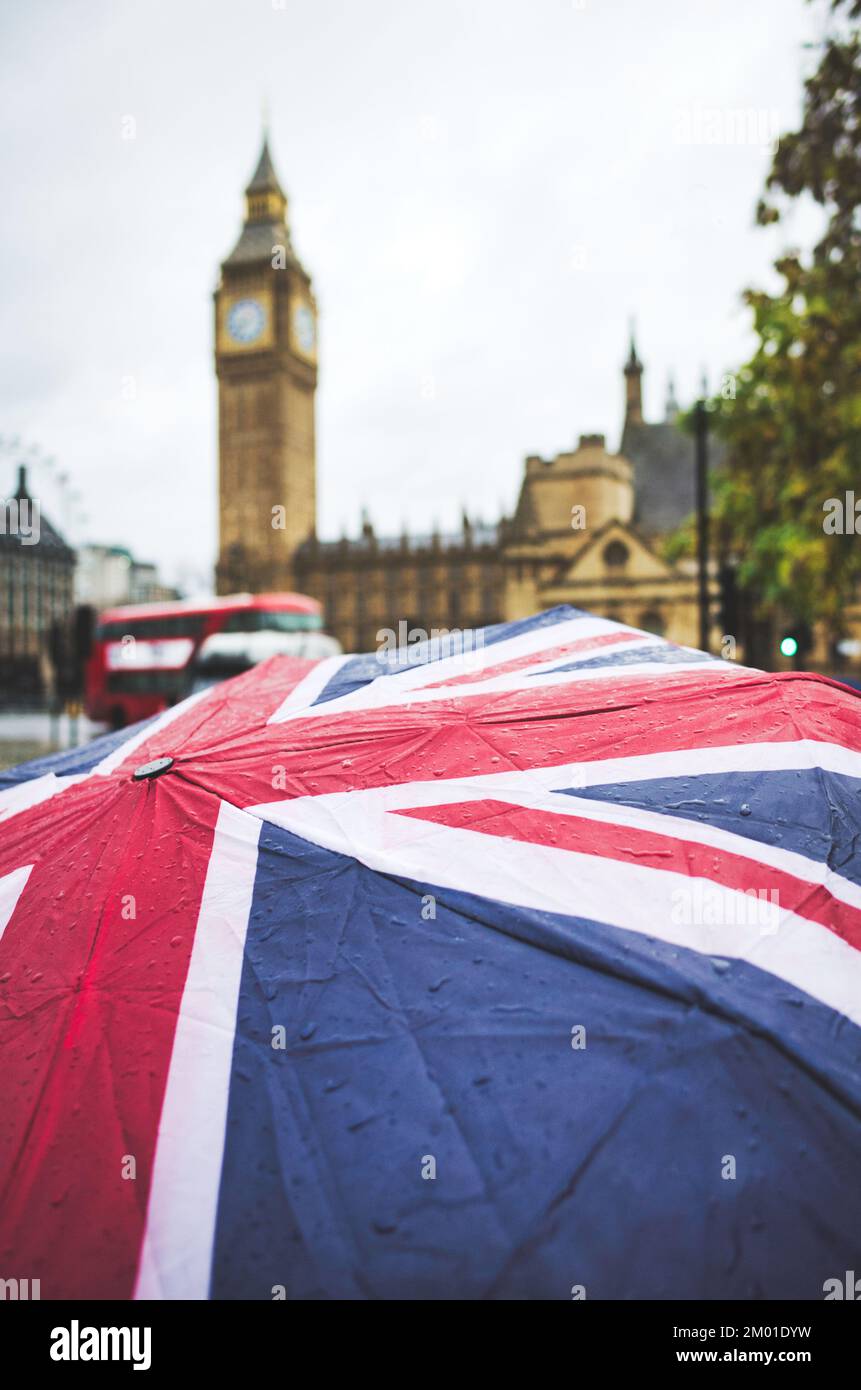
x: 261, y: 620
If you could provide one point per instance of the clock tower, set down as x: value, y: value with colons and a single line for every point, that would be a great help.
x: 266, y: 365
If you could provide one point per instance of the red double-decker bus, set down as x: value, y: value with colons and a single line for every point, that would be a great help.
x: 141, y: 655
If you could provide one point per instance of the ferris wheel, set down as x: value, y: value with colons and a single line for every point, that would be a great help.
x: 46, y: 480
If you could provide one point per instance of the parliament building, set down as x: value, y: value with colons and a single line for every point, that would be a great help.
x: 588, y: 527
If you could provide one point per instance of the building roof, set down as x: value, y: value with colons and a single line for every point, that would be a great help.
x: 664, y: 481
x: 257, y: 241
x: 49, y: 540
x: 265, y: 230
x: 94, y: 550
x: 264, y: 178
x: 633, y: 366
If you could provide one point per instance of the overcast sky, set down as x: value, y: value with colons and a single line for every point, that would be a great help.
x: 484, y: 192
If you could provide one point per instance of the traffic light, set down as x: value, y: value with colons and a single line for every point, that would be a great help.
x: 795, y: 643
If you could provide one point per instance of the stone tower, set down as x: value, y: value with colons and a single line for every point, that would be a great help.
x: 266, y: 365
x: 633, y: 386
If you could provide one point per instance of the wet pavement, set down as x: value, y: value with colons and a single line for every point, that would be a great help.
x: 33, y: 735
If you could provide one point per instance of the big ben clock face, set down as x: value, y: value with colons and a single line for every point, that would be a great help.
x: 246, y: 321
x: 305, y: 329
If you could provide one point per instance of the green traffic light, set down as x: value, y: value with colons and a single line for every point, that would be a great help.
x: 788, y: 646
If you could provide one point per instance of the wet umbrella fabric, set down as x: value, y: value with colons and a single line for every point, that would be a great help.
x: 526, y: 971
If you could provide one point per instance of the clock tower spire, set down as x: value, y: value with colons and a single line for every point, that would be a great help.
x: 265, y: 199
x: 266, y: 365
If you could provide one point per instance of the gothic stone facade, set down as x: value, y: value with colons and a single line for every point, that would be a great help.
x: 266, y: 363
x: 587, y: 528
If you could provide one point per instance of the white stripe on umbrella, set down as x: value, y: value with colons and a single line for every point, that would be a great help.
x: 624, y: 894
x: 176, y: 1254
x: 11, y: 887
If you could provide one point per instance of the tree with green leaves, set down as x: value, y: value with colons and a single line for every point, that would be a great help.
x: 790, y: 420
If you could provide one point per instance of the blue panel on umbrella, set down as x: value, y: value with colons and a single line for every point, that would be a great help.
x: 72, y: 760
x: 814, y: 813
x: 660, y: 655
x: 360, y: 670
x: 451, y: 1039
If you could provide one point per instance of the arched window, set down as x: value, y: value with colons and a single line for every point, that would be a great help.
x: 616, y: 555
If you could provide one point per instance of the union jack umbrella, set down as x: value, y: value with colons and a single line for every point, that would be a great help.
x: 527, y: 972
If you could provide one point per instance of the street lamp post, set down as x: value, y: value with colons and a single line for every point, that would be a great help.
x: 702, y: 497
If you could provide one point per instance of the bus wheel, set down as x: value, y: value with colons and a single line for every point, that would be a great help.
x: 117, y: 718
